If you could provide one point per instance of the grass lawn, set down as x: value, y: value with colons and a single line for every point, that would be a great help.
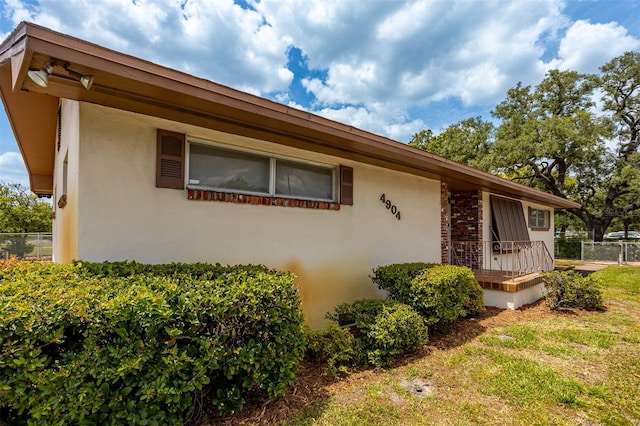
x: 528, y: 367
x: 568, y: 262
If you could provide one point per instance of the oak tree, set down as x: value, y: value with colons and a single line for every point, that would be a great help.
x: 21, y: 212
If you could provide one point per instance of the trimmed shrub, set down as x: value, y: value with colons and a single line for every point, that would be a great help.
x: 396, y: 278
x: 570, y: 289
x: 359, y: 312
x: 384, y: 329
x: 334, y: 345
x: 396, y: 330
x: 440, y: 293
x: 193, y: 270
x: 143, y: 348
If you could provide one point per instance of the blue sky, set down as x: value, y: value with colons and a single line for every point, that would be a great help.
x: 387, y: 66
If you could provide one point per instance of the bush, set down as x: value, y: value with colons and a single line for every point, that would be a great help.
x: 396, y: 278
x: 568, y: 248
x: 384, y: 329
x: 440, y: 293
x: 571, y: 290
x: 396, y: 330
x: 363, y: 311
x: 140, y: 348
x: 335, y: 346
x: 193, y: 270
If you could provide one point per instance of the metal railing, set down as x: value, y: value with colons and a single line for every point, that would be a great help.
x: 511, y: 258
x: 31, y: 246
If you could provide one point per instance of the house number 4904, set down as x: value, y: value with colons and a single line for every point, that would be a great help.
x: 390, y: 206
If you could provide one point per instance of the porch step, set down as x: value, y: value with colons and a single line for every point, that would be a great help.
x: 511, y: 285
x: 527, y: 277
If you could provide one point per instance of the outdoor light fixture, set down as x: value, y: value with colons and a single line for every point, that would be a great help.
x: 85, y: 80
x: 41, y: 77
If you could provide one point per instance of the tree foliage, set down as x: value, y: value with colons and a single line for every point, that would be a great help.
x: 21, y: 212
x: 467, y: 142
x: 558, y: 138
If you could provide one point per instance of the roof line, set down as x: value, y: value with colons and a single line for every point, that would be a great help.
x: 266, y: 114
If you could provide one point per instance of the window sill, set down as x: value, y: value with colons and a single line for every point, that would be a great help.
x: 227, y: 197
x: 539, y: 229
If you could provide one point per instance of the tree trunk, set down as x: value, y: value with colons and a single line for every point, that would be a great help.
x: 598, y: 233
x: 598, y: 225
x: 625, y: 223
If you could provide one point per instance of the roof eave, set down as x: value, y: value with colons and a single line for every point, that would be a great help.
x: 132, y: 84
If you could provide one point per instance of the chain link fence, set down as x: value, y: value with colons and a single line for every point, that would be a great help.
x: 28, y: 246
x: 620, y: 252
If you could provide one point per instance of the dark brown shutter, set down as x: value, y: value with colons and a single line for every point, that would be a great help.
x: 170, y: 160
x: 508, y: 220
x: 346, y: 185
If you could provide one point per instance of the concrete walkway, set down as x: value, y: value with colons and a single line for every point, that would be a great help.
x: 591, y: 267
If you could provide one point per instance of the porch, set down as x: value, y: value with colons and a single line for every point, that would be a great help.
x: 509, y: 272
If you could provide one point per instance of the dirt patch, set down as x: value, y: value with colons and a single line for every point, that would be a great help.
x: 312, y: 387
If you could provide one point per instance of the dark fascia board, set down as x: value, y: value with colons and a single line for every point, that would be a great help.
x: 138, y: 82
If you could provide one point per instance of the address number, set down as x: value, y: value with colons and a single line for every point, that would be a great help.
x: 390, y: 206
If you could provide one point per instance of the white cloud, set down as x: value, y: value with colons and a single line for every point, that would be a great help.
x: 375, y: 120
x: 373, y: 61
x: 417, y: 52
x: 587, y: 46
x: 216, y: 40
x: 12, y: 169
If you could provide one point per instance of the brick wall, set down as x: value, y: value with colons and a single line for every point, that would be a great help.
x: 445, y: 215
x: 260, y: 200
x: 466, y: 216
x: 466, y: 225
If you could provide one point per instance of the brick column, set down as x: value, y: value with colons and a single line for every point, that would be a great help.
x: 445, y: 215
x: 466, y: 224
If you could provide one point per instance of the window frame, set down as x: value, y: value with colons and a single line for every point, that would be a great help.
x: 273, y: 159
x: 533, y: 223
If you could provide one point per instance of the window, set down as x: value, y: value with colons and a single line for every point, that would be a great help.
x: 508, y: 220
x: 223, y: 170
x: 303, y: 180
x: 219, y: 169
x: 539, y: 219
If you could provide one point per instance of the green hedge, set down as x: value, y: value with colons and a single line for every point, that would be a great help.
x: 440, y: 293
x: 335, y: 346
x: 193, y: 270
x: 396, y: 279
x: 568, y: 248
x: 141, y: 345
x: 571, y: 290
x: 383, y: 329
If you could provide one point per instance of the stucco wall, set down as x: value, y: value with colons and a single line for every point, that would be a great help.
x: 65, y: 225
x: 122, y: 215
